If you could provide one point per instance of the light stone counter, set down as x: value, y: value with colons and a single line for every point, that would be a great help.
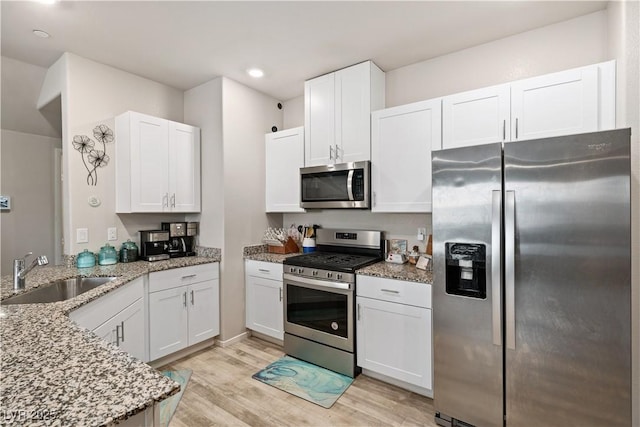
x: 53, y: 372
x: 407, y: 272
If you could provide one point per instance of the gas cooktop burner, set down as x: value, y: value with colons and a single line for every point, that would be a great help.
x: 332, y: 261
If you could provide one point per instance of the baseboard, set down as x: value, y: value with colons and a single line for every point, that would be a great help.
x: 182, y: 353
x: 233, y: 340
x: 266, y: 338
x: 414, y: 388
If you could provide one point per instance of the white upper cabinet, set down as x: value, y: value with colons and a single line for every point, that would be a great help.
x: 157, y: 165
x: 284, y: 156
x: 402, y: 139
x: 337, y: 114
x: 476, y: 117
x: 568, y: 102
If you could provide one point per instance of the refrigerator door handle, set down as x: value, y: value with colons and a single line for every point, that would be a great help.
x: 509, y: 270
x: 496, y: 267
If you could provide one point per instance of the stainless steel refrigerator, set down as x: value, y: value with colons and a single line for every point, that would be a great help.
x: 532, y: 282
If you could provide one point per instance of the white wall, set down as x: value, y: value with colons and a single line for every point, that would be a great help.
x: 203, y: 108
x: 27, y: 169
x: 233, y: 121
x: 557, y: 47
x: 293, y: 111
x: 95, y: 94
x: 624, y: 46
x: 21, y: 84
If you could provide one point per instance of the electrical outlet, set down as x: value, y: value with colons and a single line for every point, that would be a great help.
x: 82, y: 235
x: 421, y: 233
x: 112, y: 233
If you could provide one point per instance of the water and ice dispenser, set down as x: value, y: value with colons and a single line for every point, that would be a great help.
x: 466, y: 272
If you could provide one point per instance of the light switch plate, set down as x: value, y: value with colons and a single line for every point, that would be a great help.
x: 112, y: 233
x: 82, y: 235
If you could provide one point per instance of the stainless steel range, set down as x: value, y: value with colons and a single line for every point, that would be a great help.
x: 319, y: 297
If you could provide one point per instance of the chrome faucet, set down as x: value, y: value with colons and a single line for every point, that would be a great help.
x: 19, y: 270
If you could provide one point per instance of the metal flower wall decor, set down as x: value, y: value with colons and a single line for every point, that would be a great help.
x: 94, y: 158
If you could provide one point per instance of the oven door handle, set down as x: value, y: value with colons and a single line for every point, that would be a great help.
x: 350, y: 185
x: 317, y: 284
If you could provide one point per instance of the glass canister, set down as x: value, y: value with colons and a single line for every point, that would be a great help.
x: 86, y: 259
x: 128, y: 251
x: 107, y: 255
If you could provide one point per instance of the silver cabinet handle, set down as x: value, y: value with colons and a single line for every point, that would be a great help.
x: 189, y: 276
x: 509, y: 268
x: 496, y: 267
x: 331, y: 152
x: 391, y: 291
x: 165, y: 200
x: 118, y: 335
x: 184, y: 299
x: 192, y: 297
x: 280, y: 294
x: 504, y: 130
x: 374, y: 198
x: 122, y: 328
x: 262, y: 270
x: 516, y: 128
x: 358, y: 311
x: 173, y: 200
x: 336, y: 151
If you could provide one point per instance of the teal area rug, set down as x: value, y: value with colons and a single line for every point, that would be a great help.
x: 169, y: 405
x: 308, y: 381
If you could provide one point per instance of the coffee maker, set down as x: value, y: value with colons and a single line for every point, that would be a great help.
x: 154, y: 245
x: 181, y: 238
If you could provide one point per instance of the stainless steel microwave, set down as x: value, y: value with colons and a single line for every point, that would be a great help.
x: 343, y: 185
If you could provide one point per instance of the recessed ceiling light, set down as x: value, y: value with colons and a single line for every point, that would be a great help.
x: 48, y: 1
x: 255, y: 72
x: 41, y: 33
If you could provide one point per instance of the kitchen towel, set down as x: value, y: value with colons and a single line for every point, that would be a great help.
x: 169, y: 405
x: 308, y: 381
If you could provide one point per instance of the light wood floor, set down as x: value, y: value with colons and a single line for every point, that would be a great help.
x: 221, y: 392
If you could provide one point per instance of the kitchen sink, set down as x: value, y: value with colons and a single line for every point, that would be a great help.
x: 60, y: 290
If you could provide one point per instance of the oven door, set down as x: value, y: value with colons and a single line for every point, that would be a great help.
x: 319, y: 310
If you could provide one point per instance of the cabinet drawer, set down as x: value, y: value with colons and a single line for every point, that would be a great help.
x: 268, y: 270
x: 161, y: 280
x: 410, y: 293
x: 97, y: 312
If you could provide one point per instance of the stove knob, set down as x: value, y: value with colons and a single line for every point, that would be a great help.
x: 314, y: 272
x: 339, y: 276
x: 329, y: 275
x: 292, y: 269
x: 300, y: 270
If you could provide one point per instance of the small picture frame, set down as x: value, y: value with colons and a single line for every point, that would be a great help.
x: 5, y: 203
x: 398, y: 246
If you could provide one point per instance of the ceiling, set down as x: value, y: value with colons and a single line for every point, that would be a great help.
x: 186, y: 43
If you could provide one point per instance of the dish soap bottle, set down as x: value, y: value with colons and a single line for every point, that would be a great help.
x: 107, y: 255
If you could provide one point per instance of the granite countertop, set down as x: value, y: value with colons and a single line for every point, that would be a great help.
x: 406, y: 271
x: 56, y: 373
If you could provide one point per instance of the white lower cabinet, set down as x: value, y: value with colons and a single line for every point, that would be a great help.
x: 183, y: 308
x: 394, y: 331
x: 118, y: 317
x: 264, y: 309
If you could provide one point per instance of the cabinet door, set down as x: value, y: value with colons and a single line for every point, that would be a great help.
x: 395, y: 340
x: 264, y: 306
x: 401, y: 144
x: 126, y: 330
x: 204, y: 311
x: 352, y: 114
x: 284, y: 156
x: 132, y: 336
x: 319, y: 120
x: 476, y: 117
x: 184, y: 168
x: 167, y: 322
x: 555, y: 104
x: 149, y: 160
